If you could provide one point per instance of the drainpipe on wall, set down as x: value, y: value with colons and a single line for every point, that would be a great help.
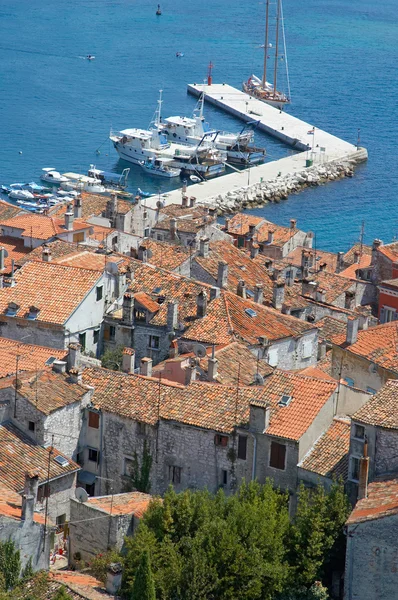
x: 254, y: 462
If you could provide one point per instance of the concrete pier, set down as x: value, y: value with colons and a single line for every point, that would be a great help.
x: 312, y: 143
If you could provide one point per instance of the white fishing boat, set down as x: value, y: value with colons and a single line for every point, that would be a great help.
x: 236, y: 147
x: 21, y: 195
x: 118, y: 180
x: 52, y: 176
x: 138, y: 145
x: 82, y: 183
x: 261, y: 88
x: 160, y: 167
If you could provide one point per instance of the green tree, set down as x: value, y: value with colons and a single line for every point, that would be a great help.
x: 144, y: 587
x: 10, y: 564
x: 62, y: 594
x: 140, y: 473
x: 112, y: 359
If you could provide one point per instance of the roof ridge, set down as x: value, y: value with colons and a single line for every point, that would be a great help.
x: 302, y: 376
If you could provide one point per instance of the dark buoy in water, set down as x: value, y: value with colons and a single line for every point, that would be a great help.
x: 158, y: 12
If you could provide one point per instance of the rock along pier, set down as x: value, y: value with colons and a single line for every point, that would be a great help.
x: 319, y: 156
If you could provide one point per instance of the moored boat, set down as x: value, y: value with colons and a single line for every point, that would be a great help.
x: 21, y: 195
x: 52, y: 176
x: 160, y: 167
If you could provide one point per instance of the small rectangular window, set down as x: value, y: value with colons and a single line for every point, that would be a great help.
x: 139, y: 315
x: 31, y: 426
x: 128, y: 466
x: 141, y: 428
x: 154, y: 342
x: 221, y: 440
x: 175, y: 474
x: 242, y: 447
x: 114, y: 240
x: 278, y: 456
x: 82, y: 340
x: 60, y: 520
x: 355, y: 462
x: 112, y: 332
x: 93, y: 419
x: 147, y: 232
x: 224, y: 476
x: 96, y: 336
x: 93, y: 455
x: 307, y: 349
x: 43, y: 492
x: 359, y: 432
x: 100, y: 289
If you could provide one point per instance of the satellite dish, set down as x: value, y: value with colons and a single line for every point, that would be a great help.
x: 199, y: 350
x: 258, y: 379
x: 81, y: 494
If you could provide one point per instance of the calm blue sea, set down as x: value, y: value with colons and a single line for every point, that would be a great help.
x: 57, y: 108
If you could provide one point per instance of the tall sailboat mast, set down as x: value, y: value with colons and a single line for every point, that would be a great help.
x: 278, y: 17
x: 266, y: 43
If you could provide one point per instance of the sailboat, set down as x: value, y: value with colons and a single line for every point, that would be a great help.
x: 261, y: 88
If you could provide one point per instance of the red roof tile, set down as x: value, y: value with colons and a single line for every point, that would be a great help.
x: 329, y: 455
x: 135, y: 503
x: 381, y: 409
x: 15, y: 250
x: 382, y: 501
x: 351, y: 271
x: 42, y: 227
x: 164, y: 255
x: 29, y: 356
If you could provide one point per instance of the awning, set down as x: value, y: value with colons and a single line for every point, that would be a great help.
x: 86, y: 477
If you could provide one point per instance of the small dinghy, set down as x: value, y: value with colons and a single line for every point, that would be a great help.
x: 195, y: 179
x: 158, y: 12
x: 143, y: 194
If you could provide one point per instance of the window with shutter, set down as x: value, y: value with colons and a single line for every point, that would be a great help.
x: 278, y: 456
x: 93, y: 419
x: 307, y: 349
x: 221, y: 440
x: 242, y: 447
x: 273, y: 357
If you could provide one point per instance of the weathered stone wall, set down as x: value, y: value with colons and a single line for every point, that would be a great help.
x: 364, y: 373
x: 61, y: 491
x: 28, y: 539
x: 372, y: 560
x: 386, y: 455
x: 33, y: 332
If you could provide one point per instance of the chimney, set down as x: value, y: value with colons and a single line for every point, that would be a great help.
x: 375, y: 246
x: 214, y: 293
x: 222, y: 274
x: 146, y: 367
x: 352, y: 330
x: 173, y: 228
x: 190, y: 374
x: 128, y: 308
x: 241, y: 289
x: 204, y: 247
x: 349, y: 301
x: 143, y: 253
x: 212, y: 369
x: 293, y: 223
x: 128, y: 361
x: 29, y: 496
x: 59, y: 366
x: 75, y: 376
x: 340, y: 262
x: 172, y: 316
x: 278, y: 294
x: 2, y: 258
x: 252, y: 229
x: 254, y: 248
x: 173, y: 350
x: 259, y: 418
x: 286, y: 309
x: 226, y: 223
x: 259, y: 293
x: 74, y: 356
x: 320, y: 295
x: 192, y: 201
x: 357, y: 257
x: 308, y: 288
x: 184, y: 202
x: 46, y: 254
x: 114, y: 578
x: 201, y: 304
x: 69, y: 218
x: 322, y: 266
x: 270, y: 239
x: 77, y: 207
x: 363, y: 473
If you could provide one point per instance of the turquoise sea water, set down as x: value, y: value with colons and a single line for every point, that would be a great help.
x: 57, y: 108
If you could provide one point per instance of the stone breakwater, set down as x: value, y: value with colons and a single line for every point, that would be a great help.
x: 275, y: 190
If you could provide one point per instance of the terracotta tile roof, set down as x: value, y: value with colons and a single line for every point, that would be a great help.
x: 15, y: 250
x: 49, y: 391
x: 42, y: 227
x: 18, y: 454
x: 239, y: 223
x: 281, y: 235
x: 351, y: 271
x: 329, y: 455
x: 30, y: 356
x: 381, y: 409
x: 59, y: 249
x: 189, y: 220
x: 146, y: 301
x: 98, y: 233
x: 227, y: 320
x: 164, y: 255
x: 308, y: 396
x: 211, y: 406
x: 382, y: 501
x: 317, y: 372
x: 229, y: 358
x: 390, y: 251
x: 333, y: 284
x: 329, y: 327
x: 95, y: 205
x: 320, y: 257
x: 11, y: 505
x: 8, y: 211
x: 56, y: 290
x: 349, y: 257
x: 86, y: 259
x: 80, y: 586
x: 377, y: 344
x: 390, y: 283
x: 135, y: 503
